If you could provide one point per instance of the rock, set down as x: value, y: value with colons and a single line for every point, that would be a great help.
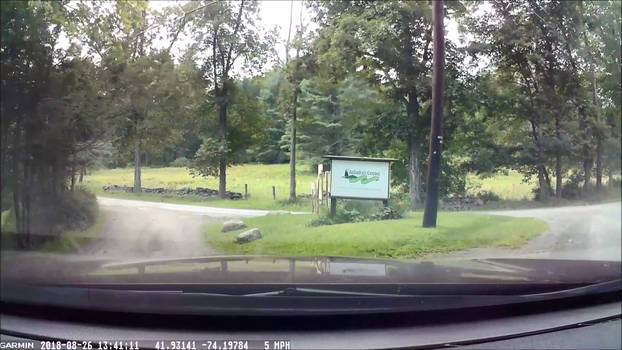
x: 479, y: 201
x: 232, y: 225
x: 248, y: 236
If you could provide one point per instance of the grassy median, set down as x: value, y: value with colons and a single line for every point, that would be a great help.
x: 405, y: 238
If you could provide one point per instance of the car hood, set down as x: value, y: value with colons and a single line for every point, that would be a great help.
x: 248, y: 269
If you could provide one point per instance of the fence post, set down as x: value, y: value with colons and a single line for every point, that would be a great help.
x: 273, y: 193
x: 312, y: 198
x: 321, y: 177
x: 245, y: 191
x: 333, y: 206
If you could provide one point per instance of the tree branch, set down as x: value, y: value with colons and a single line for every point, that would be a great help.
x: 235, y: 32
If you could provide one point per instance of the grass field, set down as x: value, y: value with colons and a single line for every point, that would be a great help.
x: 508, y: 186
x: 260, y: 179
x: 405, y: 238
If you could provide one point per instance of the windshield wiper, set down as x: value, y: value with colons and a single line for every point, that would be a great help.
x: 296, y: 291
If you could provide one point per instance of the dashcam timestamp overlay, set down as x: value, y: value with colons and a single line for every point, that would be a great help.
x: 229, y: 344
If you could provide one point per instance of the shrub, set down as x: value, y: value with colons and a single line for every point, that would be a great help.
x: 488, y: 196
x: 360, y: 211
x: 65, y: 211
x: 387, y: 213
x: 181, y: 162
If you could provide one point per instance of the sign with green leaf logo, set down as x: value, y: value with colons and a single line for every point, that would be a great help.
x: 362, y: 179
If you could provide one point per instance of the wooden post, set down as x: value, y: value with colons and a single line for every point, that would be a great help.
x: 436, y: 129
x: 245, y: 191
x: 312, y: 198
x: 273, y: 193
x: 333, y: 206
x: 322, y: 188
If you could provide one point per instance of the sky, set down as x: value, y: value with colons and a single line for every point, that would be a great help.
x: 273, y: 13
x: 277, y: 13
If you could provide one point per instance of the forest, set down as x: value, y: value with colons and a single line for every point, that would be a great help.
x: 533, y: 86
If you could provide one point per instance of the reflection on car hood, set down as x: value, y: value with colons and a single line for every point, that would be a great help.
x: 316, y: 269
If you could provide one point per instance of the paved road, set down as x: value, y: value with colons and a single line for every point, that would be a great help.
x: 580, y: 232
x: 137, y: 229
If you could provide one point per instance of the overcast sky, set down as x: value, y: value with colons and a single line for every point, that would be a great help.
x: 272, y: 13
x: 276, y: 13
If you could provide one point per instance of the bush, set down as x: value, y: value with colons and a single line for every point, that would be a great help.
x: 65, y: 211
x: 488, y: 196
x: 360, y: 211
x: 181, y: 162
x: 387, y: 213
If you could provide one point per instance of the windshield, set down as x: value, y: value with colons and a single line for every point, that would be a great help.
x: 290, y: 142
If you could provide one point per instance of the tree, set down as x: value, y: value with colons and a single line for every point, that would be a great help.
x: 294, y: 78
x: 230, y: 40
x: 46, y: 125
x: 390, y: 44
x: 143, y: 89
x: 436, y: 131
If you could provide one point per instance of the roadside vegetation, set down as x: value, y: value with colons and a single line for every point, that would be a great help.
x: 62, y: 223
x: 504, y: 190
x: 404, y: 238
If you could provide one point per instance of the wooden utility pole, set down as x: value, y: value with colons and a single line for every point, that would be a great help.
x: 436, y: 130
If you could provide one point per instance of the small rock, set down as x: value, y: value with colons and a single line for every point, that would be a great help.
x: 232, y: 225
x: 248, y: 236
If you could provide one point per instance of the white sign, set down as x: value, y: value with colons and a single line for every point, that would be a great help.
x: 359, y: 179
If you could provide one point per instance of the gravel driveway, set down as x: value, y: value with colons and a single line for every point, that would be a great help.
x: 138, y: 229
x: 150, y: 229
x: 580, y: 232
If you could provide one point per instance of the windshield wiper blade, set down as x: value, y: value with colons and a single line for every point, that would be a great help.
x: 296, y: 291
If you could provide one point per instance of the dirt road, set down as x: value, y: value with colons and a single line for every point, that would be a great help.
x: 138, y: 229
x: 582, y: 232
x: 149, y: 229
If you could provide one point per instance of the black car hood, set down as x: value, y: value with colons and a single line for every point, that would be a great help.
x: 248, y: 269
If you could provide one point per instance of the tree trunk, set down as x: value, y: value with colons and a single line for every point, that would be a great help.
x: 587, y: 174
x: 599, y: 162
x: 436, y: 129
x: 558, y: 161
x: 137, y: 184
x: 292, y: 150
x: 558, y: 175
x: 73, y: 176
x: 222, y: 127
x: 292, y: 146
x: 599, y: 143
x: 414, y: 175
x: 542, y: 183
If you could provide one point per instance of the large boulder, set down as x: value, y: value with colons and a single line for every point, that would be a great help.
x: 232, y: 225
x: 248, y: 236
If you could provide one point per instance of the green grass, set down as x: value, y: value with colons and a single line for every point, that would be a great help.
x: 260, y: 179
x: 508, y: 186
x: 7, y: 222
x: 405, y: 238
x: 71, y: 241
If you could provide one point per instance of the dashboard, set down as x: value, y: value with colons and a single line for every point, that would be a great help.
x: 593, y: 326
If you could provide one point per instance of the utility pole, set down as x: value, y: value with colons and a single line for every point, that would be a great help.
x: 436, y: 130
